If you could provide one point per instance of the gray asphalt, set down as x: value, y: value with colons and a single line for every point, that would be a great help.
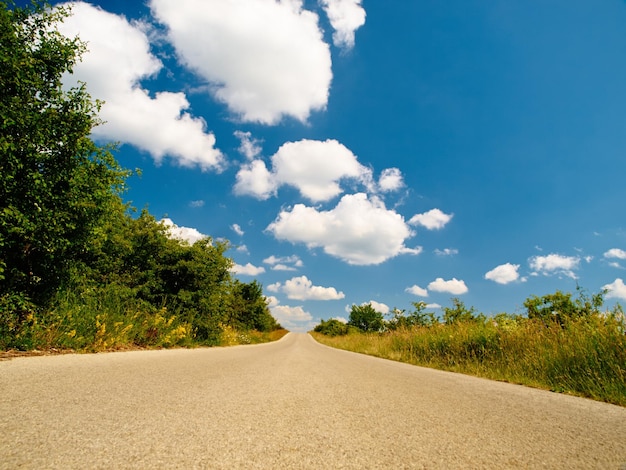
x: 289, y: 404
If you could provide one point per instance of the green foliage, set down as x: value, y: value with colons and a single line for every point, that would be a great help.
x: 458, y: 312
x: 77, y: 269
x: 366, y: 318
x: 560, y: 307
x: 332, y: 327
x: 417, y: 317
x: 56, y: 184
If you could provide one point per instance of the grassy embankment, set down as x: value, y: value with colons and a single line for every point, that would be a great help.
x: 105, y: 321
x: 584, y: 357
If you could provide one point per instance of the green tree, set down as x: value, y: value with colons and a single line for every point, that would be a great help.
x: 366, y: 318
x: 458, y: 312
x: 56, y: 184
x: 560, y: 306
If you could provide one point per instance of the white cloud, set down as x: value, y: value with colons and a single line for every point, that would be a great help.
x: 247, y: 269
x: 249, y: 147
x: 237, y: 229
x: 358, y: 230
x: 292, y: 318
x: 315, y: 168
x: 417, y: 290
x: 379, y: 307
x: 433, y: 306
x: 345, y: 16
x: 254, y: 179
x: 284, y: 263
x: 198, y: 203
x: 275, y: 287
x: 271, y: 301
x: 118, y: 59
x: 503, y: 274
x: 555, y: 264
x: 616, y: 290
x: 187, y: 234
x: 447, y: 252
x: 434, y: 219
x: 453, y: 286
x: 301, y: 288
x: 615, y: 253
x: 390, y: 180
x: 264, y: 59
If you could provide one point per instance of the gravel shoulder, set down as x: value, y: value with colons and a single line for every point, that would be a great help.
x: 289, y: 404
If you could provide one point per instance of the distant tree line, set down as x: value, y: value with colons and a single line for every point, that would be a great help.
x: 77, y: 265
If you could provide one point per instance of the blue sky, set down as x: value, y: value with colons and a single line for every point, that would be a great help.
x: 393, y: 152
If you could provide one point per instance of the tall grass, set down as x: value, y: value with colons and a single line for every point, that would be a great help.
x: 584, y: 357
x: 111, y: 317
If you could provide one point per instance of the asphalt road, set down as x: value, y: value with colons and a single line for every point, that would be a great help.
x: 289, y: 404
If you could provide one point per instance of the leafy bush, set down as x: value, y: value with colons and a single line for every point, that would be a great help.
x: 331, y: 327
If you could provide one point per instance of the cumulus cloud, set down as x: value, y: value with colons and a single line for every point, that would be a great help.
x: 616, y: 290
x: 434, y: 219
x: 503, y: 274
x: 417, y: 290
x: 292, y: 318
x: 378, y: 306
x: 237, y: 229
x: 301, y: 288
x: 271, y: 301
x: 555, y: 264
x: 118, y: 59
x: 249, y: 147
x: 453, y: 286
x: 390, y: 180
x: 315, y: 168
x: 187, y: 234
x: 254, y: 179
x: 615, y: 253
x: 247, y: 270
x: 263, y: 59
x: 359, y: 230
x: 345, y: 16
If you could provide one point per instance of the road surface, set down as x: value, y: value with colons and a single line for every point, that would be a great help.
x: 289, y: 404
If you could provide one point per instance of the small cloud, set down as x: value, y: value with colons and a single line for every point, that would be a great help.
x: 301, y: 288
x: 292, y: 318
x: 554, y: 264
x: 434, y: 219
x: 390, y: 180
x: 453, y: 286
x: 447, y: 252
x: 379, y: 307
x: 242, y: 249
x: 187, y: 234
x: 271, y: 301
x: 504, y: 274
x: 417, y: 290
x: 345, y: 16
x: 341, y: 319
x: 433, y: 306
x: 196, y: 204
x: 284, y: 263
x: 247, y: 270
x: 616, y: 290
x: 615, y: 253
x: 249, y: 147
x: 237, y: 229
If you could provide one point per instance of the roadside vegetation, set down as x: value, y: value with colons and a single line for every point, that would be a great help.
x: 560, y: 343
x: 79, y: 268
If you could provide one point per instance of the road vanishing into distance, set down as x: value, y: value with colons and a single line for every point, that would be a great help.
x: 289, y: 404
